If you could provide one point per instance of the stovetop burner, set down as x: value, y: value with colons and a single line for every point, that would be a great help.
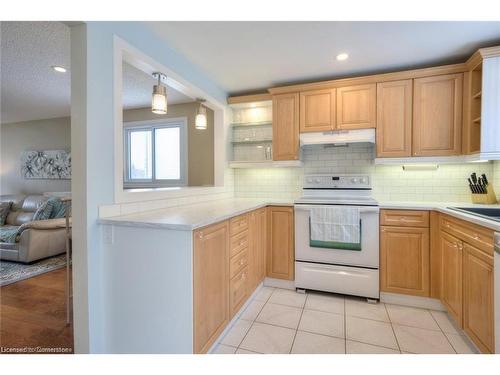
x: 346, y: 189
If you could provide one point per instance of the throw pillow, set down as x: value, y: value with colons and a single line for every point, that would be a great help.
x: 43, y: 212
x: 59, y: 209
x: 4, y: 211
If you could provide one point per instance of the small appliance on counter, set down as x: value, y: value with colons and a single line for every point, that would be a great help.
x: 481, y: 190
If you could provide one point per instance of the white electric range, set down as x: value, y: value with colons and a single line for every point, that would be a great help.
x: 353, y: 272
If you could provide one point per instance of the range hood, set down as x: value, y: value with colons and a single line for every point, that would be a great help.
x: 338, y: 137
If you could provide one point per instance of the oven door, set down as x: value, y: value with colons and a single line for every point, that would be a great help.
x: 367, y: 257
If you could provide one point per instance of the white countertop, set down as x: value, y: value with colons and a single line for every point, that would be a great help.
x: 193, y: 216
x: 198, y: 215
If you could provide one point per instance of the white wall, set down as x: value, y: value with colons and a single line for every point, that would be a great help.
x: 50, y: 134
x: 92, y: 143
x: 390, y: 183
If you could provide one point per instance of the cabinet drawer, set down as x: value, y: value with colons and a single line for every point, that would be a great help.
x: 238, y: 224
x: 404, y: 218
x: 238, y: 290
x: 238, y: 262
x: 475, y: 235
x: 238, y: 243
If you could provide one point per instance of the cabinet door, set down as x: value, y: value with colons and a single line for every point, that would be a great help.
x: 437, y: 115
x: 210, y: 284
x: 394, y: 117
x: 404, y: 260
x: 356, y: 107
x: 286, y: 126
x: 261, y: 216
x: 253, y: 246
x: 280, y: 238
x: 317, y: 110
x: 451, y: 275
x: 257, y: 248
x: 478, y: 298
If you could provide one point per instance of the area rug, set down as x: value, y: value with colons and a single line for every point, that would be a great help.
x: 11, y: 272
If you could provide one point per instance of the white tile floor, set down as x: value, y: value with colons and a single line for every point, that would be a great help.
x: 280, y: 321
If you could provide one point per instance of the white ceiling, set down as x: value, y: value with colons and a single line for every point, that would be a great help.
x: 238, y: 56
x: 31, y: 90
x: 137, y: 89
x: 247, y: 56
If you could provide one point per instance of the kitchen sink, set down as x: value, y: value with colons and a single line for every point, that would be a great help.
x: 487, y: 213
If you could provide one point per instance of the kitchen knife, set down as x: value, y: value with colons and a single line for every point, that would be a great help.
x: 480, y: 183
x: 485, y: 179
x: 471, y: 186
x: 474, y: 178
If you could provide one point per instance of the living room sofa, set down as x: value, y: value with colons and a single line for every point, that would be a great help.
x: 31, y: 240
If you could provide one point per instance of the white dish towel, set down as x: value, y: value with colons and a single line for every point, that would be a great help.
x: 335, y: 224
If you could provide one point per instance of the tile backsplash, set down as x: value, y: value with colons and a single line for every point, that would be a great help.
x: 390, y: 183
x: 496, y: 178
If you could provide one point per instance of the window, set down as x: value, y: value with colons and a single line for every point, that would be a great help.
x: 155, y: 153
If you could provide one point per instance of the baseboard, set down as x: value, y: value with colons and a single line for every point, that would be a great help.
x: 235, y: 318
x: 279, y: 283
x: 413, y: 301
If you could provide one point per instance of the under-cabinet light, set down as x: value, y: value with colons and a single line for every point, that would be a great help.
x: 420, y: 167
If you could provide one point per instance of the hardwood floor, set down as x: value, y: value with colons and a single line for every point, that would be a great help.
x: 33, y: 315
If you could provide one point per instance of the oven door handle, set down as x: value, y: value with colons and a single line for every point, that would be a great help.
x: 361, y: 210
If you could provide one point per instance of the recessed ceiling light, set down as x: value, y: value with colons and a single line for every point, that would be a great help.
x: 342, y: 56
x: 59, y: 69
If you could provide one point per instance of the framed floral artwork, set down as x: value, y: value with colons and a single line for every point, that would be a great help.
x: 47, y: 165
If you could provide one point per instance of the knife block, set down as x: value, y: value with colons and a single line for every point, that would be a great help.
x: 488, y: 198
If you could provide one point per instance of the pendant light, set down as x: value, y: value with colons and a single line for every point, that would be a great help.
x: 159, y: 99
x: 200, y: 122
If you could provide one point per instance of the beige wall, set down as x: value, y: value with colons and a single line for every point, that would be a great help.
x: 200, y: 142
x: 50, y: 134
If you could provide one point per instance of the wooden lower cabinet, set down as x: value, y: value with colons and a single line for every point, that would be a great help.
x: 451, y: 275
x: 467, y: 278
x: 257, y: 248
x: 229, y: 263
x: 404, y: 260
x: 478, y: 319
x: 280, y: 242
x: 238, y: 291
x: 210, y: 284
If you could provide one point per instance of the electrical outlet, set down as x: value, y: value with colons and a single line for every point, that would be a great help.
x: 107, y: 234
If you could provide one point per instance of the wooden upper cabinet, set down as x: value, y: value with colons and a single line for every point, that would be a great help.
x: 356, y: 107
x: 317, y: 110
x: 394, y: 118
x: 437, y: 115
x: 286, y: 126
x: 210, y: 284
x: 451, y: 275
x: 404, y: 260
x: 280, y: 242
x: 478, y: 298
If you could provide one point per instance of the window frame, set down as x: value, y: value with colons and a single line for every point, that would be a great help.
x: 152, y: 125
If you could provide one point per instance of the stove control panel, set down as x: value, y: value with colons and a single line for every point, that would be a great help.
x: 345, y: 181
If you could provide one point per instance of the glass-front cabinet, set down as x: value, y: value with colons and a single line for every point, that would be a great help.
x: 252, y: 132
